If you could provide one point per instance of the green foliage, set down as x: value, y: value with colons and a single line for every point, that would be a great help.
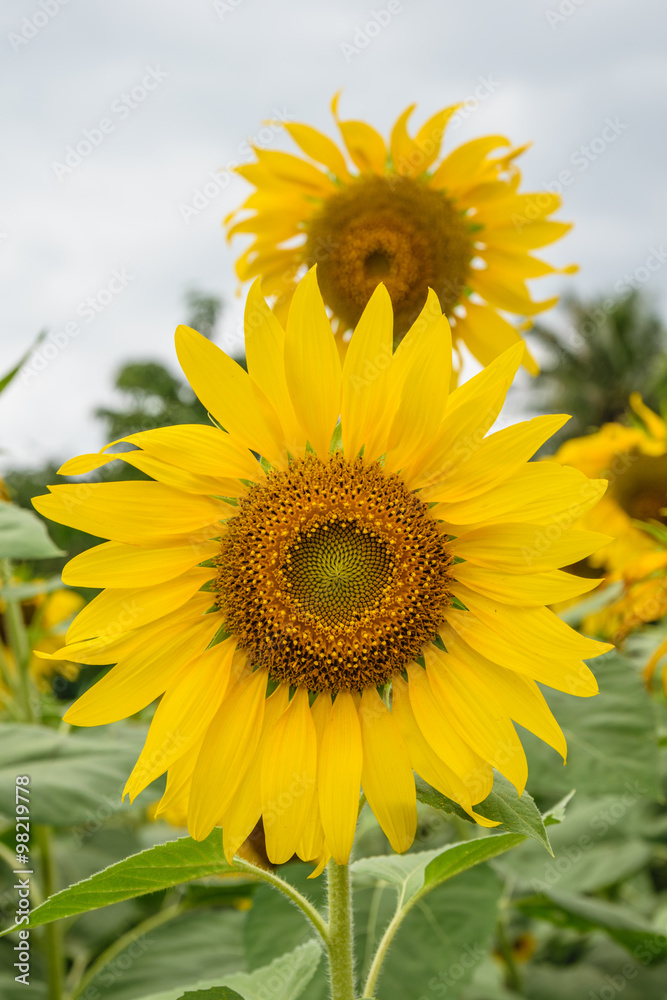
x: 611, y: 348
x: 23, y: 535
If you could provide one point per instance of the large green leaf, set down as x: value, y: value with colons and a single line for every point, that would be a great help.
x: 611, y: 738
x: 193, y: 948
x: 214, y: 993
x: 157, y: 868
x: 584, y: 914
x: 75, y: 778
x: 284, y: 979
x: 514, y: 813
x: 23, y: 535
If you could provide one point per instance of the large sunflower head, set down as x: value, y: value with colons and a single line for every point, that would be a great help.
x: 633, y: 459
x: 363, y: 602
x: 397, y: 213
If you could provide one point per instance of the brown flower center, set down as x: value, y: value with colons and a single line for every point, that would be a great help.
x: 333, y: 575
x: 391, y: 229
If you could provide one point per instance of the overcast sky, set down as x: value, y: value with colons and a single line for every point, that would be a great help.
x: 584, y: 79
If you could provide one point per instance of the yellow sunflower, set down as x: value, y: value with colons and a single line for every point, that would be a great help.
x: 633, y: 459
x: 365, y: 601
x: 401, y: 215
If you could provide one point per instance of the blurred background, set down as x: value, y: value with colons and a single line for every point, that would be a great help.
x: 113, y: 241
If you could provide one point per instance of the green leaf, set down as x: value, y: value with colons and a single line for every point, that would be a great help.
x: 6, y: 379
x: 611, y: 738
x: 582, y: 914
x: 284, y: 979
x: 442, y: 939
x: 515, y: 814
x: 75, y: 778
x: 556, y: 814
x: 149, y: 871
x: 214, y: 993
x: 23, y: 535
x: 192, y: 949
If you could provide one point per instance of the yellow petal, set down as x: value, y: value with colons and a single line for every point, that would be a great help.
x: 517, y: 696
x: 458, y: 169
x: 245, y: 808
x: 312, y: 846
x: 525, y: 548
x: 226, y: 753
x: 529, y: 590
x: 312, y: 365
x: 486, y: 335
x: 430, y: 135
x: 530, y: 236
x: 132, y: 607
x: 183, y: 715
x: 289, y: 776
x: 114, y: 564
x: 475, y: 718
x: 548, y: 666
x: 387, y: 777
x: 319, y: 147
x: 446, y: 742
x: 135, y: 513
x: 143, y: 675
x: 424, y: 759
x: 423, y: 400
x: 339, y: 776
x: 265, y: 353
x: 496, y: 459
x: 293, y: 170
x: 173, y: 805
x: 365, y: 146
x: 161, y: 471
x: 538, y: 493
x: 365, y: 397
x: 230, y: 395
x: 199, y: 449
x: 402, y: 147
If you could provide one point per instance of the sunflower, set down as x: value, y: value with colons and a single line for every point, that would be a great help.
x: 363, y: 602
x: 401, y: 215
x: 634, y: 461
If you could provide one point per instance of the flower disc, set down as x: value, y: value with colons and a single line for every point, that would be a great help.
x: 333, y: 575
x: 391, y: 229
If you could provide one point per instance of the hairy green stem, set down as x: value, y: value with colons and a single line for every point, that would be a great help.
x: 278, y: 883
x: 341, y: 958
x: 53, y: 938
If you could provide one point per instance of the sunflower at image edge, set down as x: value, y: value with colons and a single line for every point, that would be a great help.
x: 403, y: 216
x: 365, y: 602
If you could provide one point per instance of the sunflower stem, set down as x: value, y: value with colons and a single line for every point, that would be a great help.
x: 278, y: 883
x: 53, y: 938
x: 341, y: 957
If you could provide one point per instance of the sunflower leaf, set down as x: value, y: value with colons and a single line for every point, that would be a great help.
x: 23, y: 535
x: 514, y: 814
x: 11, y: 375
x: 149, y: 871
x: 214, y: 993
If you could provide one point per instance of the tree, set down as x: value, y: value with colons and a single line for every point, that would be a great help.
x: 613, y: 347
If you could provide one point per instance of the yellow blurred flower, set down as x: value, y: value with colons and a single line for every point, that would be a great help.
x: 397, y: 213
x: 634, y: 461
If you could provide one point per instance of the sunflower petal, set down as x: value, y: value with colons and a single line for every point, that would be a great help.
x: 339, y: 776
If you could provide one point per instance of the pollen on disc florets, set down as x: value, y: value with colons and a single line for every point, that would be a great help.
x: 391, y: 229
x: 333, y: 575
